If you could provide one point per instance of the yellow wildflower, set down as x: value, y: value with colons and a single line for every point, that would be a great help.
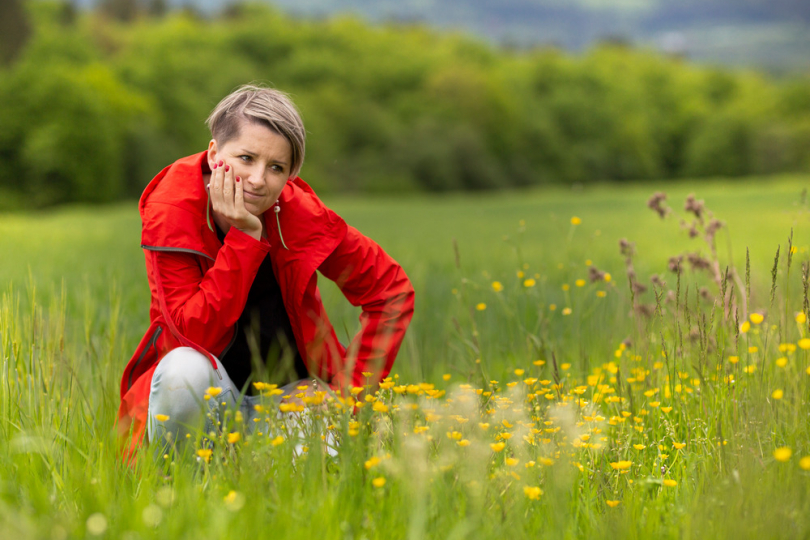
x: 678, y: 445
x: 480, y: 306
x: 781, y: 362
x: 463, y: 442
x: 380, y: 407
x: 801, y: 318
x: 612, y: 504
x: 498, y: 446
x: 497, y: 286
x: 804, y: 343
x: 511, y: 462
x: 277, y: 441
x: 782, y: 454
x: 580, y: 283
x: 161, y: 417
x: 804, y: 463
x: 372, y: 462
x: 756, y: 318
x: 669, y: 482
x: 532, y: 492
x: 378, y: 482
x: 529, y: 283
x: 621, y: 465
x: 234, y: 437
x: 205, y: 454
x: 213, y: 391
x: 745, y: 327
x: 575, y: 220
x: 778, y: 394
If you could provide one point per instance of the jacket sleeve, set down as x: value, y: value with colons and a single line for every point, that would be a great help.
x: 204, y: 305
x: 371, y: 279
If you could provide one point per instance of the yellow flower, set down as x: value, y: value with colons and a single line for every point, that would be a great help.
x: 463, y: 442
x: 161, y: 417
x: 277, y: 441
x: 801, y: 318
x: 497, y: 286
x: 601, y: 294
x: 511, y: 462
x: 532, y: 492
x: 756, y: 318
x: 804, y: 343
x: 566, y: 286
x: 446, y: 376
x: 621, y: 465
x: 804, y: 463
x: 481, y: 306
x: 213, y: 391
x: 753, y: 349
x: 498, y: 446
x: 205, y: 454
x: 778, y: 394
x: 529, y: 283
x: 234, y: 437
x: 580, y: 283
x: 373, y: 462
x: 380, y: 407
x: 566, y: 311
x: 612, y: 504
x: 519, y: 372
x: 781, y: 362
x: 745, y: 327
x: 669, y: 482
x: 782, y: 454
x: 639, y: 446
x: 230, y: 497
x: 607, y: 277
x: 733, y: 359
x: 378, y: 482
x: 666, y: 409
x: 678, y: 445
x: 552, y: 307
x: 356, y: 390
x: 575, y: 220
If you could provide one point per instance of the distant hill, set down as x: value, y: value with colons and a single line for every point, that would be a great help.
x: 773, y: 34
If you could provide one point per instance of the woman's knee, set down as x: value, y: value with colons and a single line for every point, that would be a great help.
x: 184, y: 368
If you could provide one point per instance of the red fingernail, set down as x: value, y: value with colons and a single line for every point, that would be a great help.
x: 227, y: 168
x: 237, y: 178
x: 220, y: 163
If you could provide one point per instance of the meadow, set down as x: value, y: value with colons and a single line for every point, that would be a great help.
x: 550, y: 385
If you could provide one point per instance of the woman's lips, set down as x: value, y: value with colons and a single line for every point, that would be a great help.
x: 251, y: 195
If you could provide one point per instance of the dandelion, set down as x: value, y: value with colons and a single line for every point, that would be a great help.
x: 804, y: 463
x: 621, y: 465
x: 532, y: 492
x: 612, y: 504
x: 804, y: 343
x: 575, y: 220
x: 480, y: 306
x: 497, y: 286
x: 782, y: 454
x: 529, y: 283
x: 234, y: 437
x: 498, y: 446
x: 378, y: 482
x: 161, y: 417
x: 756, y: 318
x: 277, y: 441
x: 669, y: 482
x: 778, y: 394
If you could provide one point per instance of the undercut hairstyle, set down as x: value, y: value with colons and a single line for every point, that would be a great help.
x: 265, y: 106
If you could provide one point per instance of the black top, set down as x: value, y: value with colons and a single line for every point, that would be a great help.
x: 264, y: 324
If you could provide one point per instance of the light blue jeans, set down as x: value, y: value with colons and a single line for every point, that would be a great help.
x: 178, y: 388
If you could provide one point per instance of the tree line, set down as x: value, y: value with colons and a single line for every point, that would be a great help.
x: 91, y: 107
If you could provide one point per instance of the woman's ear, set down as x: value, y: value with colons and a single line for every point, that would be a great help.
x: 213, y: 153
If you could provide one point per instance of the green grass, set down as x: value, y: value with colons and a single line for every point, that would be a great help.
x: 75, y: 302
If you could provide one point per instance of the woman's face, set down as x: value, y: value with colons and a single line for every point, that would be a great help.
x: 262, y: 158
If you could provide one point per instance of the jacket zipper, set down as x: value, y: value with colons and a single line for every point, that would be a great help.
x: 145, y: 350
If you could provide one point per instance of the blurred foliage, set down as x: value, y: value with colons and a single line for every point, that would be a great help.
x: 94, y: 106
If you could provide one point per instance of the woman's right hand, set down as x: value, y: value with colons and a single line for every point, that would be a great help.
x: 227, y: 200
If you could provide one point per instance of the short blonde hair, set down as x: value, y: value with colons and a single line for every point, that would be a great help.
x: 266, y: 106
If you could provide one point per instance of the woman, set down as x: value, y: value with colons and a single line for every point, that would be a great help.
x: 233, y: 239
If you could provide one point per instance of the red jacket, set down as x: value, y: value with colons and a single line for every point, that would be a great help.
x: 199, y: 285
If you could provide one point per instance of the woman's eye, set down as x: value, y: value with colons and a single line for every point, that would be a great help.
x: 277, y: 168
x: 244, y: 158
